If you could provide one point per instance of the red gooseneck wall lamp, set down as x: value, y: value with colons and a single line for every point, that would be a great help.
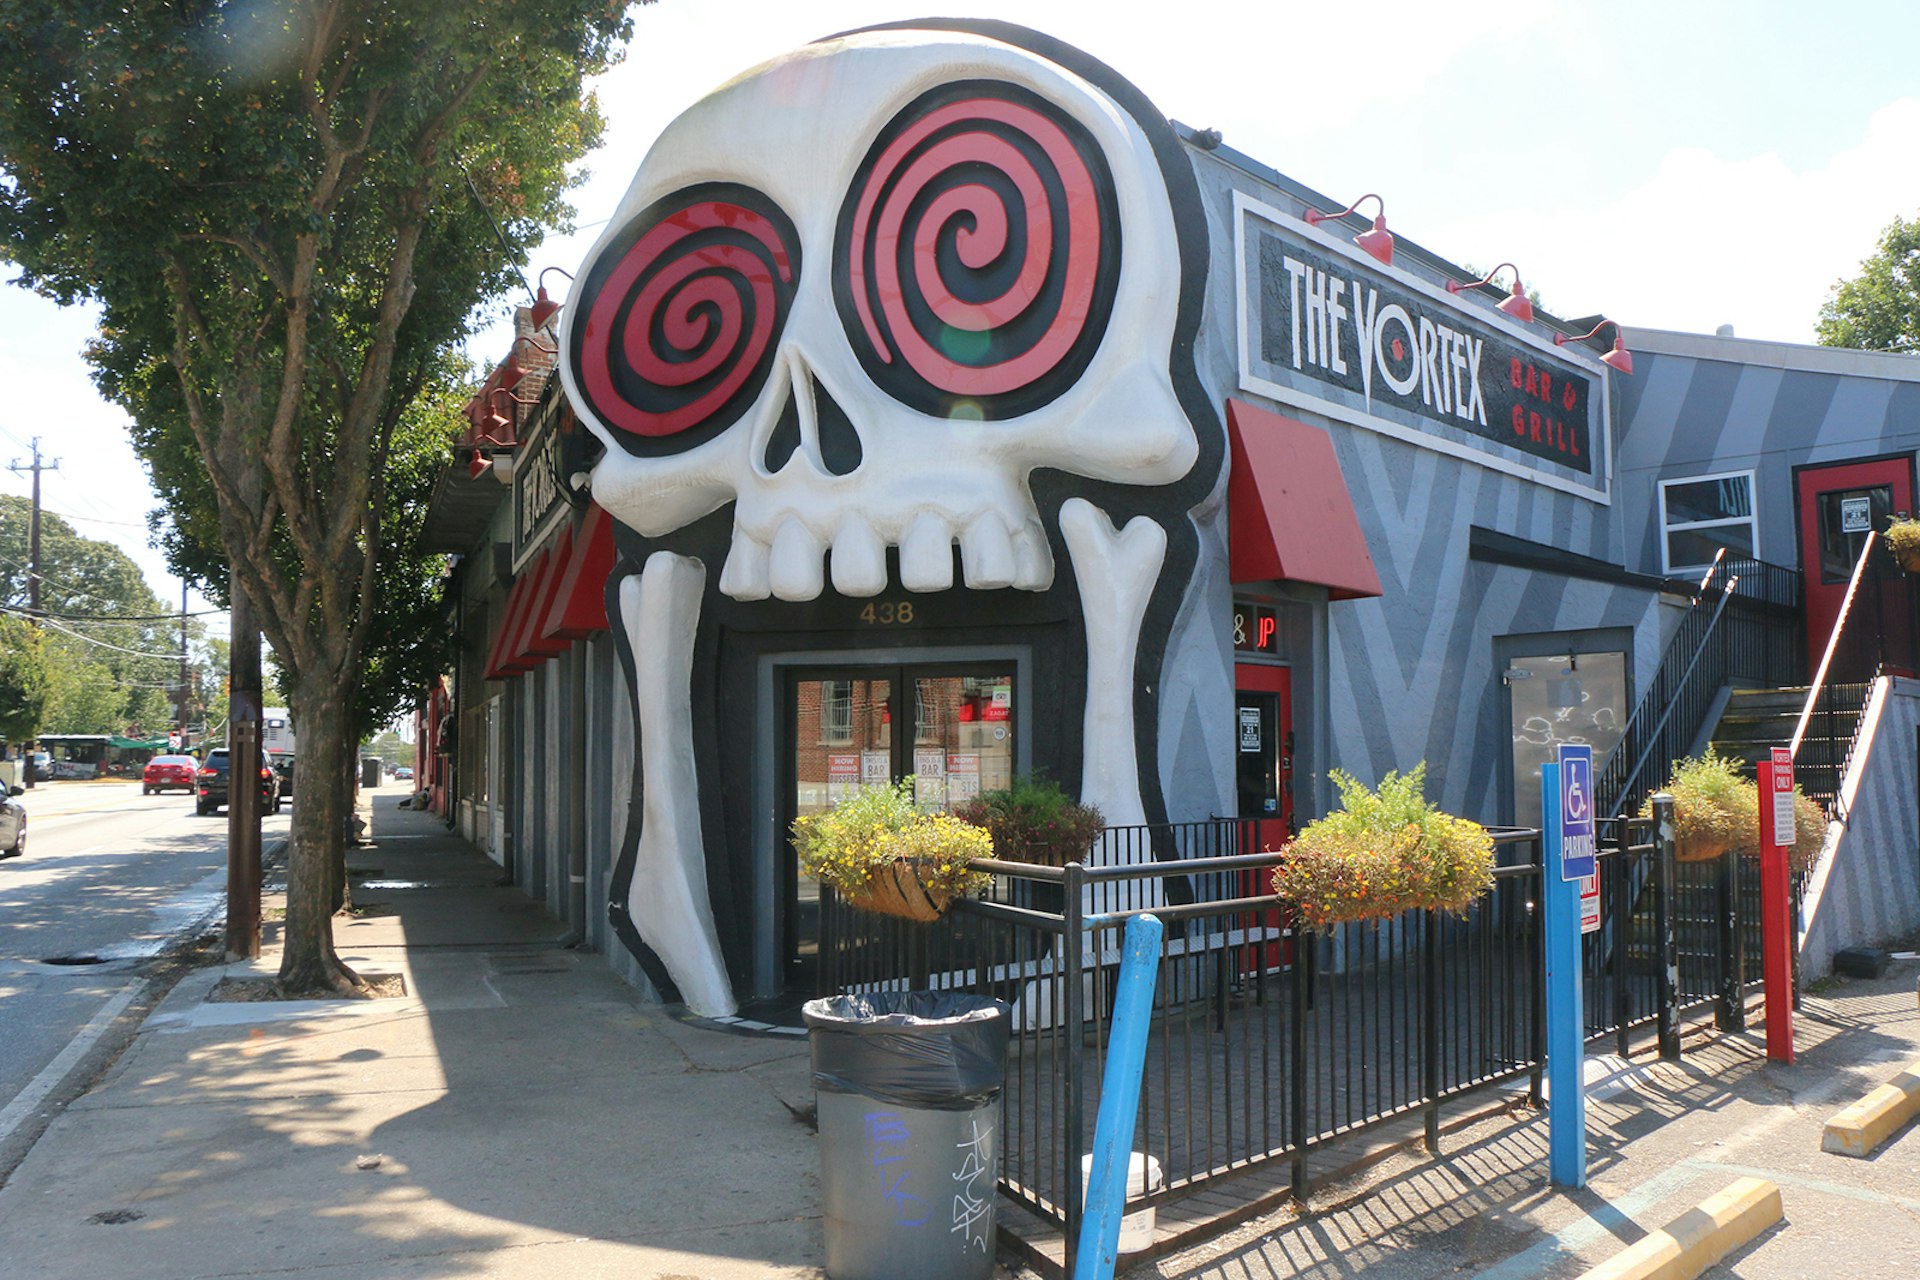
x: 1515, y: 304
x: 1620, y: 360
x: 1378, y: 241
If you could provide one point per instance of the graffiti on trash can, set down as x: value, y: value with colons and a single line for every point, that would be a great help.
x: 887, y: 1138
x: 971, y: 1202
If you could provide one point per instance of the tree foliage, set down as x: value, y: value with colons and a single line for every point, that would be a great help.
x: 23, y: 681
x: 110, y: 646
x: 286, y: 211
x: 1879, y: 310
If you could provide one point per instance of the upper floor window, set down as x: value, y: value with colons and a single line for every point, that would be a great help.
x: 1701, y: 514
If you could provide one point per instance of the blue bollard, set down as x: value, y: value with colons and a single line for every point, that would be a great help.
x: 1099, y: 1250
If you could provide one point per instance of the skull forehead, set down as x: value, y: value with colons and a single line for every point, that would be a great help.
x: 797, y: 127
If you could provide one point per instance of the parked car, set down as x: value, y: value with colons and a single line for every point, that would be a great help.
x: 282, y: 763
x: 170, y: 773
x: 213, y: 782
x: 13, y: 823
x: 403, y: 773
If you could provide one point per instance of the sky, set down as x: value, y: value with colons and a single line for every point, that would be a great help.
x: 1672, y: 165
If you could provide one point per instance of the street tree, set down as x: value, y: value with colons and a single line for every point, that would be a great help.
x: 23, y: 680
x: 111, y: 647
x: 286, y: 211
x: 1879, y: 309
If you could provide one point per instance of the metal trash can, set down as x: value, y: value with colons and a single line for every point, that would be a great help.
x: 909, y: 1085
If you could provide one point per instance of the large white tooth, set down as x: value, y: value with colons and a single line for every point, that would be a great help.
x: 1032, y: 558
x: 744, y: 576
x: 926, y: 554
x: 858, y: 559
x: 796, y: 566
x: 986, y: 553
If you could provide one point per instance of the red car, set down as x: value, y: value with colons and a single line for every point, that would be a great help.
x: 168, y: 773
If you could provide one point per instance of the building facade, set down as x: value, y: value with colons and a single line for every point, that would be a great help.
x: 932, y: 406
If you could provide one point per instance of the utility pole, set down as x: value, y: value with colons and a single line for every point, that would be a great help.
x: 33, y: 567
x: 181, y: 701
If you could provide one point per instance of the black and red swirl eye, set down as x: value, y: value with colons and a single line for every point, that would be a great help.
x: 679, y: 315
x: 976, y: 258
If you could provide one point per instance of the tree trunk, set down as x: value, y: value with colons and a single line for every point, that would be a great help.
x: 309, y: 963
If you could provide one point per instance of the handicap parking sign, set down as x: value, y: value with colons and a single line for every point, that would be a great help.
x: 1578, y: 848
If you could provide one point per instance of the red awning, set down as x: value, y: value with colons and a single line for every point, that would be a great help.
x: 579, y: 607
x: 1289, y: 515
x: 534, y: 643
x: 509, y: 625
x: 517, y: 658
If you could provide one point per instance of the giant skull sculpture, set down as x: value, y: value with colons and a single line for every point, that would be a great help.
x: 861, y: 293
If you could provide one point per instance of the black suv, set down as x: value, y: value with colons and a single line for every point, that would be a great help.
x: 213, y: 785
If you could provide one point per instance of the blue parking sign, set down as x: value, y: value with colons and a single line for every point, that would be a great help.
x: 1578, y: 848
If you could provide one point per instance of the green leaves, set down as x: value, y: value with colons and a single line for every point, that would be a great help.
x: 1879, y: 310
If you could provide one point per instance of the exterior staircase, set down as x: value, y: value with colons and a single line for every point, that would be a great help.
x: 1757, y: 719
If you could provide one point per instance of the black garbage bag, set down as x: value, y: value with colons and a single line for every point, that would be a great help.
x: 936, y: 1050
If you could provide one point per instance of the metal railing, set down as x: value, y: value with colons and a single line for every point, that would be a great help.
x: 1878, y: 607
x: 1269, y: 1042
x: 1742, y: 626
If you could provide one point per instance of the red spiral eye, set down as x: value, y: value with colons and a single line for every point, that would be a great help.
x: 680, y: 314
x: 977, y: 254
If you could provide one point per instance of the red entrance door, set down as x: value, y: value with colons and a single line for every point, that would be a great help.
x: 1836, y: 505
x: 1263, y: 729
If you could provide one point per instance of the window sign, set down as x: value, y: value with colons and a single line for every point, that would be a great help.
x: 1249, y: 728
x: 1856, y: 515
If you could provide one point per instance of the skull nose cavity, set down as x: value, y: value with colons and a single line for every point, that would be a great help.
x: 835, y: 444
x: 840, y: 451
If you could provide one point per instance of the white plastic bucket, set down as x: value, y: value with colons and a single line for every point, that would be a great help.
x: 1143, y: 1179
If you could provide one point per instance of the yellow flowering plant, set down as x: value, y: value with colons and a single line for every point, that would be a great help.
x: 874, y: 840
x: 1382, y: 852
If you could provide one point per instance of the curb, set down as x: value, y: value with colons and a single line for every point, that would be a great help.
x: 1699, y: 1237
x: 1857, y: 1129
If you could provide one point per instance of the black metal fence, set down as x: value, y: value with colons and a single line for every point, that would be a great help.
x: 1269, y: 1041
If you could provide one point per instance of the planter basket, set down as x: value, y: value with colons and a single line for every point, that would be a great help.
x: 896, y: 890
x: 1909, y: 558
x: 1699, y: 848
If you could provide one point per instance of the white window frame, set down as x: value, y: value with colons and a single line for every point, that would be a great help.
x: 1751, y: 519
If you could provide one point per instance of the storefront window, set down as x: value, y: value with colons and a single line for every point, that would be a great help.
x: 1703, y: 514
x: 1571, y: 698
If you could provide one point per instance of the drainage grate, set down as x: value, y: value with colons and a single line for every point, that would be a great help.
x: 76, y: 960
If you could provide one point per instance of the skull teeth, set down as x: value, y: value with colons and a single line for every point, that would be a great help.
x: 859, y: 558
x: 797, y: 563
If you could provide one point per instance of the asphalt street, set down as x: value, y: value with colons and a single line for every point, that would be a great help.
x: 110, y: 878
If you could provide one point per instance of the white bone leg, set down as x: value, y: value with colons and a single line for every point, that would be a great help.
x: 1116, y: 571
x: 668, y: 902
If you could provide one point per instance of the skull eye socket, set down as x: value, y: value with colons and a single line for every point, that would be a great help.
x: 680, y: 314
x: 977, y: 255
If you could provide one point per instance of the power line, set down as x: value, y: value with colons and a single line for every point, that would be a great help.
x: 102, y: 644
x: 119, y: 617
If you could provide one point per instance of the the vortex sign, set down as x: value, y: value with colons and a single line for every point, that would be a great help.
x: 1385, y: 352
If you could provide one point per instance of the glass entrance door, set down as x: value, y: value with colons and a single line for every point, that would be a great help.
x: 951, y: 728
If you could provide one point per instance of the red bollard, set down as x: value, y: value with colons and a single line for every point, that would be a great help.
x: 1776, y: 903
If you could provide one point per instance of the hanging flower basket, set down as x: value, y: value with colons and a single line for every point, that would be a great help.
x: 1714, y: 808
x: 1903, y: 539
x: 1699, y: 848
x: 882, y: 854
x: 1384, y: 852
x: 897, y: 889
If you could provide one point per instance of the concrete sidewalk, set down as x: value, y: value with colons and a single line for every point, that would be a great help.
x: 520, y: 1113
